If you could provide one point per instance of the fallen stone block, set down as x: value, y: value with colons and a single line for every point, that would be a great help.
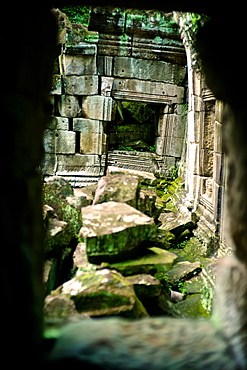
x: 155, y: 260
x: 97, y: 293
x: 146, y: 178
x: 114, y: 231
x: 118, y: 188
x: 145, y: 285
x: 58, y: 307
x: 182, y: 271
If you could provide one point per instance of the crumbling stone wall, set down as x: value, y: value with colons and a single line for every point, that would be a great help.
x: 136, y: 58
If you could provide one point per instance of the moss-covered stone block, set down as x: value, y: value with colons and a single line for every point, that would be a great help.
x: 155, y: 260
x: 57, y: 193
x: 114, y: 231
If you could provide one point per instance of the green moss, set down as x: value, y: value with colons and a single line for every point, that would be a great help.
x: 192, y: 307
x: 99, y: 301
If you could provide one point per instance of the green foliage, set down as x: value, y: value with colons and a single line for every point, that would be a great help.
x: 77, y: 14
x: 141, y: 112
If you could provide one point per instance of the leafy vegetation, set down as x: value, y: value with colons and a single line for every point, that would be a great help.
x: 77, y: 14
x: 141, y: 112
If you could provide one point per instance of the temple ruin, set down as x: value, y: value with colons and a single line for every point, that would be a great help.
x: 144, y: 58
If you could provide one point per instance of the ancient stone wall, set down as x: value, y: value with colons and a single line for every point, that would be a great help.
x: 133, y: 56
x: 205, y: 167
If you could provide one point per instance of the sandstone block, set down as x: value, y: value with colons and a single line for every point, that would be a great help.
x: 81, y: 85
x: 99, y: 107
x: 65, y: 142
x: 58, y: 308
x: 146, y: 178
x: 92, y: 143
x: 68, y: 106
x: 114, y: 230
x: 79, y: 65
x: 59, y: 141
x: 76, y: 163
x: 105, y: 65
x: 58, y: 123
x: 173, y: 147
x: 97, y: 293
x: 118, y: 188
x: 148, y: 91
x: 87, y: 125
x: 143, y: 69
x: 106, y: 85
x: 155, y: 260
x: 145, y: 285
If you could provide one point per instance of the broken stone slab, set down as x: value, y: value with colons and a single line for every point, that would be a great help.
x: 182, y: 271
x: 171, y: 221
x: 58, y: 307
x: 118, y: 188
x: 103, y: 292
x: 114, y: 231
x: 146, y: 178
x: 80, y: 256
x: 145, y: 285
x: 155, y: 260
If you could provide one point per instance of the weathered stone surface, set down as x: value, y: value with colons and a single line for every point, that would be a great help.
x: 142, y: 69
x: 58, y: 123
x: 103, y: 292
x: 183, y: 271
x: 99, y: 107
x: 171, y: 220
x: 81, y: 85
x: 80, y: 256
x: 114, y: 230
x: 192, y: 307
x: 59, y: 142
x: 86, y: 125
x: 68, y: 106
x: 145, y: 285
x: 146, y: 178
x: 146, y: 201
x: 79, y: 65
x: 58, y: 307
x: 118, y: 188
x: 55, y: 193
x: 92, y: 143
x: 148, y: 91
x: 155, y: 260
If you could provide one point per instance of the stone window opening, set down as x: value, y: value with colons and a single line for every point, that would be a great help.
x: 135, y: 127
